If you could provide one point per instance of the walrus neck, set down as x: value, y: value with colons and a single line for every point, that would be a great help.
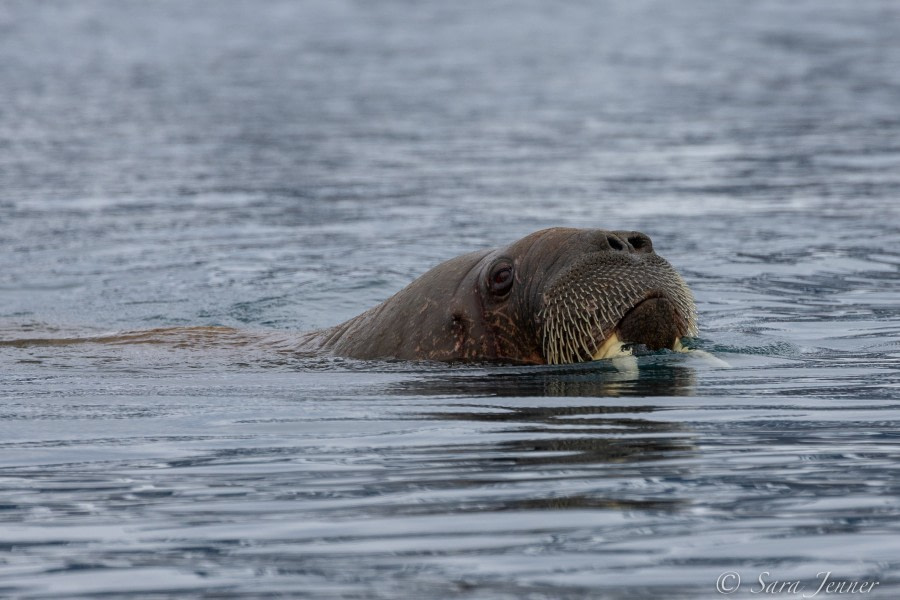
x: 413, y: 324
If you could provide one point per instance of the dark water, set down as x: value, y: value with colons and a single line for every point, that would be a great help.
x: 281, y: 166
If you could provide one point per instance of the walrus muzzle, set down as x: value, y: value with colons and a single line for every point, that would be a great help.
x: 606, y: 301
x: 653, y: 323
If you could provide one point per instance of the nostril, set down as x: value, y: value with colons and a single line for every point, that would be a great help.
x: 614, y: 242
x: 640, y: 242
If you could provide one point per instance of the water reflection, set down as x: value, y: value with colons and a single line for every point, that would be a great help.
x: 650, y: 376
x: 528, y: 443
x: 581, y: 434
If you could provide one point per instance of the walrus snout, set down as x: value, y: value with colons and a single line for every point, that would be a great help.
x: 616, y: 292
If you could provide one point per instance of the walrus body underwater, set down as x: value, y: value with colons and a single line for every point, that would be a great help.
x: 556, y: 296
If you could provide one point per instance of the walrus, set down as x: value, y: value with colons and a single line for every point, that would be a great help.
x: 557, y: 296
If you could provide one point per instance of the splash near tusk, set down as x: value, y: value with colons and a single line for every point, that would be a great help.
x: 712, y: 360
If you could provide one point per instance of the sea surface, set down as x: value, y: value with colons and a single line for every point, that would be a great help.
x: 280, y: 166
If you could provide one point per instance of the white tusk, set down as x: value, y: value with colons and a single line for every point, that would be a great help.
x: 611, y: 348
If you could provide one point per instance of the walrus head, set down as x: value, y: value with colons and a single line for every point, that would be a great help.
x: 556, y: 296
x: 584, y: 294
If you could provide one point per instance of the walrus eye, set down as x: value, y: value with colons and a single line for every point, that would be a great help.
x: 501, y: 279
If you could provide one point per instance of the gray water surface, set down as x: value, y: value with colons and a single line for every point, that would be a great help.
x: 280, y: 166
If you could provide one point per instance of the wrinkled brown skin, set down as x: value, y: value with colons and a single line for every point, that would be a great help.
x: 450, y: 313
